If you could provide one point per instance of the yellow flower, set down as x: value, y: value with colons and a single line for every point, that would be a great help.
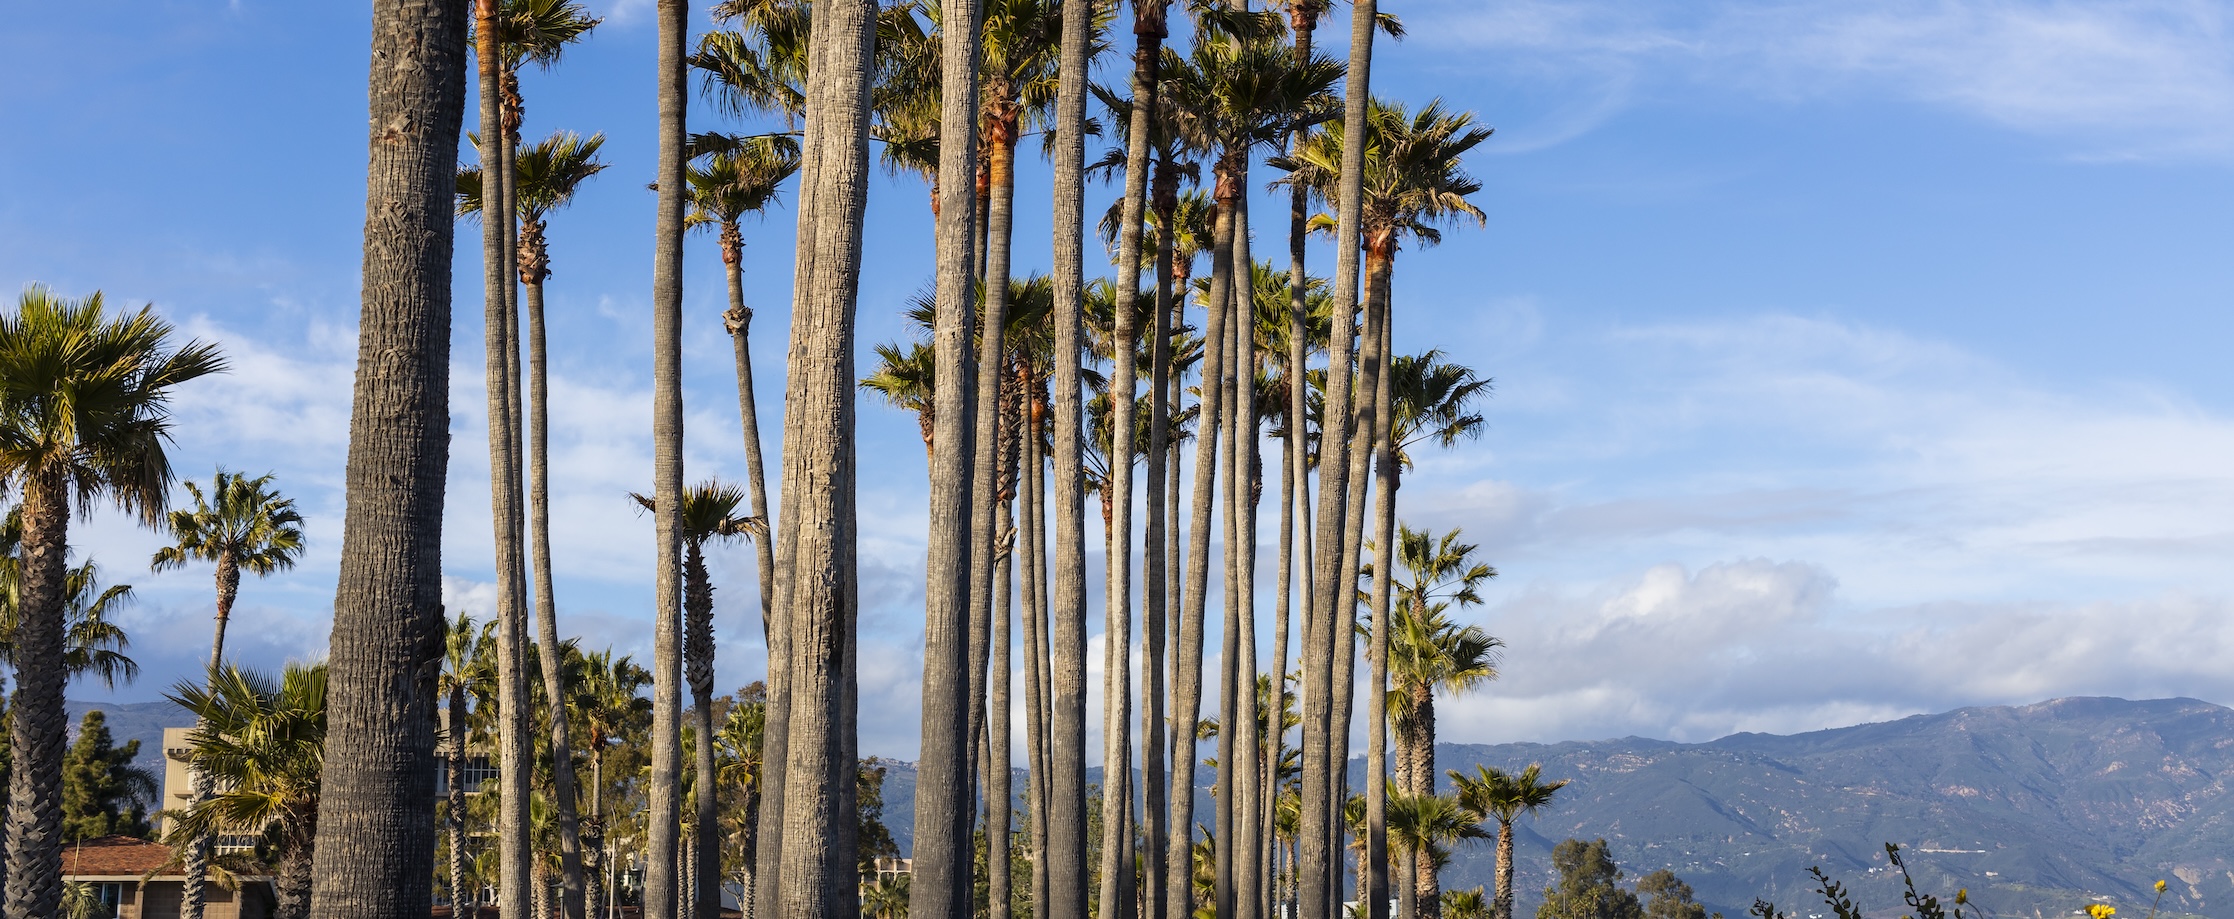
x: 1962, y: 896
x: 2101, y: 911
x: 2160, y: 887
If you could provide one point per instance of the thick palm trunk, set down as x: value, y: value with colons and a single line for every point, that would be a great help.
x: 1323, y: 748
x: 1295, y: 481
x: 378, y: 784
x: 1360, y: 449
x: 661, y: 889
x: 37, y: 723
x: 546, y: 608
x: 1248, y: 771
x: 961, y: 515
x: 1503, y: 905
x: 1067, y: 748
x: 1187, y: 683
x: 819, y: 596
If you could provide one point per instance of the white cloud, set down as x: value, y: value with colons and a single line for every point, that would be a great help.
x: 2150, y: 78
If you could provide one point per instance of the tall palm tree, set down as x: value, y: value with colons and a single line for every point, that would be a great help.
x: 468, y: 676
x: 1505, y: 796
x: 818, y: 603
x: 1427, y: 652
x: 1066, y: 843
x: 264, y: 741
x: 1326, y: 640
x: 1422, y: 828
x: 1432, y: 399
x: 907, y: 379
x: 741, y: 744
x: 709, y: 514
x: 670, y: 176
x: 84, y: 413
x: 609, y: 704
x: 248, y: 527
x: 725, y: 187
x: 388, y: 601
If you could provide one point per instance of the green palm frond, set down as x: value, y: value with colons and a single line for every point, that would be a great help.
x: 239, y: 517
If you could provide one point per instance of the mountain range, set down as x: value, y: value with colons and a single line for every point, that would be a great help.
x: 2035, y: 810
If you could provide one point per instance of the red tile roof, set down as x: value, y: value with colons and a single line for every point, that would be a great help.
x: 113, y: 856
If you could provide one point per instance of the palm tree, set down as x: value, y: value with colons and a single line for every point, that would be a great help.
x: 468, y: 675
x: 92, y: 643
x: 264, y: 743
x: 1427, y: 652
x: 709, y: 514
x: 813, y: 717
x: 887, y: 898
x: 248, y: 527
x: 608, y: 702
x: 1432, y: 400
x: 907, y: 379
x: 1466, y: 904
x: 670, y: 176
x: 388, y: 601
x: 1422, y: 828
x: 84, y: 412
x: 725, y: 187
x: 1505, y: 796
x: 741, y: 744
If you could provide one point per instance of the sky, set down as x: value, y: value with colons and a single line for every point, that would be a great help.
x: 1852, y: 360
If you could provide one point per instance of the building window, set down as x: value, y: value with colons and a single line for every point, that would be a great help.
x: 110, y: 897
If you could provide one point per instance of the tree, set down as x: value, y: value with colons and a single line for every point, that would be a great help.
x: 1505, y: 797
x: 92, y: 643
x: 103, y: 794
x: 1589, y: 885
x: 608, y: 703
x: 813, y: 708
x: 661, y: 887
x: 264, y: 742
x: 468, y: 675
x: 248, y: 527
x: 1427, y: 652
x: 741, y: 741
x: 388, y: 619
x: 709, y: 514
x: 1422, y: 828
x: 1466, y: 904
x: 84, y: 415
x: 1670, y: 897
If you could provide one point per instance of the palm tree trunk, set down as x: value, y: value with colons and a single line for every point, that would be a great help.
x: 194, y: 892
x: 821, y: 599
x: 1156, y: 579
x: 1187, y: 706
x: 698, y: 673
x: 1503, y: 908
x: 956, y: 593
x: 1000, y: 731
x: 546, y: 609
x: 1031, y: 542
x: 1364, y: 420
x: 1248, y: 769
x: 454, y: 821
x: 661, y: 890
x: 37, y: 723
x: 1148, y: 33
x: 1295, y: 476
x: 1323, y: 748
x: 378, y: 781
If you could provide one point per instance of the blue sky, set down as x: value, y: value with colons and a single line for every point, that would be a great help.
x: 1853, y: 359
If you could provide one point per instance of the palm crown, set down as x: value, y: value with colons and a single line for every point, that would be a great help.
x: 248, y: 524
x: 1413, y: 180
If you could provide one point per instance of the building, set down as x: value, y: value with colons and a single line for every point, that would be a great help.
x: 134, y: 879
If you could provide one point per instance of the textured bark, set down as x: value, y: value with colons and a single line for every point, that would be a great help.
x: 546, y: 607
x: 738, y: 320
x: 37, y: 723
x: 1066, y: 855
x: 1032, y: 543
x: 1295, y: 476
x: 1116, y: 860
x: 999, y: 746
x: 194, y: 893
x: 661, y: 888
x: 377, y: 859
x: 1323, y: 750
x: 819, y: 588
x: 1502, y: 907
x: 1187, y: 662
x: 1248, y: 782
x: 1361, y: 447
x: 956, y: 591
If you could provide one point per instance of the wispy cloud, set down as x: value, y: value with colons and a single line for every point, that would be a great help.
x: 2141, y: 79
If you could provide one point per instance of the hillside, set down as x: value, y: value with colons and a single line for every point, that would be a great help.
x: 141, y: 721
x: 2033, y: 809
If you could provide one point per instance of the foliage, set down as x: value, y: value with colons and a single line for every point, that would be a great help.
x: 247, y: 522
x: 875, y: 839
x: 1589, y: 885
x: 91, y: 642
x: 103, y: 794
